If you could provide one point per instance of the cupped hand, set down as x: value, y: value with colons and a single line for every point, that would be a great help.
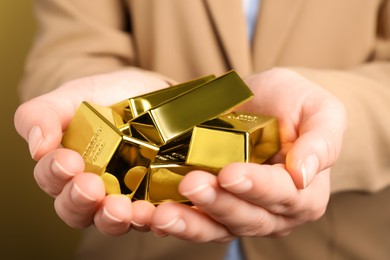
x: 248, y: 199
x: 80, y: 198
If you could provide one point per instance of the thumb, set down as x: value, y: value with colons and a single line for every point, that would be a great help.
x: 318, y: 144
x: 41, y: 121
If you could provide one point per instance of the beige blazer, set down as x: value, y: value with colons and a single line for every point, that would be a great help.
x: 343, y: 45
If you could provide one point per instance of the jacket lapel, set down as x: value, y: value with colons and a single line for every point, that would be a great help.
x: 275, y: 23
x: 229, y: 24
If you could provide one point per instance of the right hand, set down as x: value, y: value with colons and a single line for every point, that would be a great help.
x: 80, y: 198
x: 249, y: 199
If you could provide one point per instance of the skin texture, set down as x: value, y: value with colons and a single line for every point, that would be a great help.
x: 272, y: 199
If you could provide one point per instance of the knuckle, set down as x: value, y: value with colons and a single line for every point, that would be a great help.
x: 258, y: 226
x: 289, y: 203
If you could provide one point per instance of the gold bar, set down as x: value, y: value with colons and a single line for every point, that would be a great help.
x: 234, y: 137
x: 133, y: 107
x: 106, y: 150
x: 164, y: 176
x: 163, y: 182
x: 179, y: 115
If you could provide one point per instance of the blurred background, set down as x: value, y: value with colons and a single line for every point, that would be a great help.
x: 30, y: 228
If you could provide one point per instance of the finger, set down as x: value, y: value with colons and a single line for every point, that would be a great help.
x: 41, y: 121
x: 40, y: 125
x: 241, y: 217
x: 56, y: 169
x: 320, y: 136
x: 188, y: 223
x: 271, y: 188
x: 312, y: 121
x: 78, y: 202
x: 142, y: 217
x: 114, y: 216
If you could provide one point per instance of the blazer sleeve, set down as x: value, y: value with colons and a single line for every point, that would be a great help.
x: 364, y: 162
x: 76, y: 38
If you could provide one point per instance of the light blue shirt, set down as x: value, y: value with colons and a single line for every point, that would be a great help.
x: 234, y: 251
x: 251, y: 9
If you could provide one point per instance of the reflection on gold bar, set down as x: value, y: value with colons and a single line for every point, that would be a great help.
x: 163, y: 182
x: 179, y: 115
x: 106, y: 150
x: 164, y: 176
x: 234, y: 137
x: 135, y: 106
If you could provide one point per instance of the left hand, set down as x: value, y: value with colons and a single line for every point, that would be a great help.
x: 248, y: 199
x: 80, y: 199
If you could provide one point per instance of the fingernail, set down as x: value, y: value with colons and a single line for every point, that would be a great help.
x: 240, y: 185
x: 176, y: 225
x: 135, y: 224
x: 35, y: 139
x: 78, y: 196
x: 309, y: 168
x: 202, y: 195
x: 159, y: 233
x: 110, y: 217
x: 59, y: 170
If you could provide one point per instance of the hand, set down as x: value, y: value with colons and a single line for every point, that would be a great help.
x: 248, y: 199
x: 80, y: 198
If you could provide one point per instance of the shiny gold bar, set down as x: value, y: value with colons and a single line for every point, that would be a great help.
x: 233, y: 137
x: 106, y: 150
x: 179, y: 115
x: 164, y: 176
x: 133, y: 107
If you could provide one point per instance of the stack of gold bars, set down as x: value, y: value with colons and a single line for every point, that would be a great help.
x: 143, y: 146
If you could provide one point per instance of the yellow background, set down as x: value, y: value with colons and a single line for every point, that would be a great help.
x: 30, y: 228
